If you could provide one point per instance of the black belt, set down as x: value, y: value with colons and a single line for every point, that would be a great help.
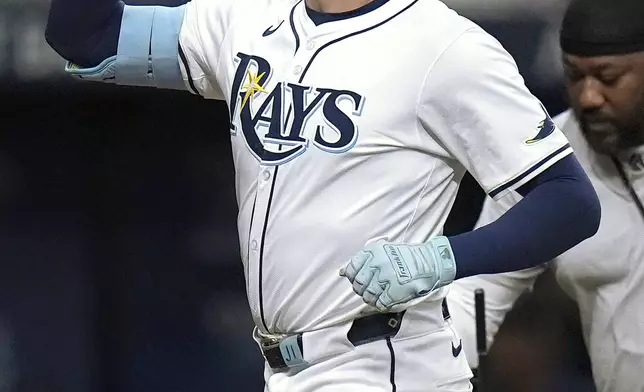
x: 363, y: 330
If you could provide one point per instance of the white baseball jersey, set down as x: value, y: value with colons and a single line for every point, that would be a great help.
x: 604, y: 274
x: 351, y: 130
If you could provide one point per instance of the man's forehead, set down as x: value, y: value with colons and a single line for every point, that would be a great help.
x: 604, y: 62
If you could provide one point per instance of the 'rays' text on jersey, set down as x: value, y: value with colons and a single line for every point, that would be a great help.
x: 276, y: 131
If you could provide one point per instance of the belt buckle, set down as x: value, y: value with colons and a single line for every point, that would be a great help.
x: 268, y: 343
x: 265, y: 340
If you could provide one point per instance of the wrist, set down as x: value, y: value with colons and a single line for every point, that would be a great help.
x: 444, y: 260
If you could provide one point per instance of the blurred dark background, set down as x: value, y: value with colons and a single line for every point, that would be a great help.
x: 119, y: 266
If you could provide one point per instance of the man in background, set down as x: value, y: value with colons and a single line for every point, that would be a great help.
x: 603, y: 55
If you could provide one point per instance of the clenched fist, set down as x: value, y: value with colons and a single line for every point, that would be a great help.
x: 385, y: 274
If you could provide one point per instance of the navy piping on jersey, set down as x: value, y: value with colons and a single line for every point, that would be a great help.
x: 261, y: 252
x: 352, y: 35
x: 297, y: 37
x: 184, y: 60
x: 270, y: 196
x: 250, y: 228
x: 261, y: 249
x: 526, y: 173
x: 320, y: 17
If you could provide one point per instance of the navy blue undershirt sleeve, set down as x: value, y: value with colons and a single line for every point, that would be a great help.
x: 85, y: 32
x: 559, y: 209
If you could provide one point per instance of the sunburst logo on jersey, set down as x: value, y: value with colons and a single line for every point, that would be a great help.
x: 252, y: 87
x: 545, y: 128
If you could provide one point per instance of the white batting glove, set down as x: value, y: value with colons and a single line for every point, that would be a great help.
x: 385, y: 274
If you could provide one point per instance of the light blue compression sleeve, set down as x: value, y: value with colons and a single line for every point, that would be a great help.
x: 147, y: 52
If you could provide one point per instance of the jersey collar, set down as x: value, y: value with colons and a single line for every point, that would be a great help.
x: 319, y: 18
x: 342, y: 26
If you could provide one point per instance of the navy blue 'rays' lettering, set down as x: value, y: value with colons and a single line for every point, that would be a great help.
x: 338, y: 121
x: 286, y: 111
x: 300, y: 113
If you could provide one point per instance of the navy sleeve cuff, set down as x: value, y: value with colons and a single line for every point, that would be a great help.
x: 559, y: 210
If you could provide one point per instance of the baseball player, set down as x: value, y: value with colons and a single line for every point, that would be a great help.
x: 352, y: 123
x: 603, y: 56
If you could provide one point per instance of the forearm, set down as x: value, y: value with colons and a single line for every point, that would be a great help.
x: 555, y: 214
x: 84, y: 32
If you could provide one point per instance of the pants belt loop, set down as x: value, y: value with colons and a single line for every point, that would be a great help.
x: 445, y: 309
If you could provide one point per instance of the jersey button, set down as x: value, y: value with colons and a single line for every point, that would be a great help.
x: 266, y: 175
x: 297, y: 70
x: 253, y: 244
x: 310, y: 45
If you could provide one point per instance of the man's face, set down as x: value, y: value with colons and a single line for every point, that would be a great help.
x: 607, y: 96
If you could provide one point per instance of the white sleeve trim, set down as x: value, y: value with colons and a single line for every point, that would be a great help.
x: 530, y: 173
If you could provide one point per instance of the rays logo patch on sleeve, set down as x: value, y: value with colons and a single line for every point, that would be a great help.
x: 545, y: 128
